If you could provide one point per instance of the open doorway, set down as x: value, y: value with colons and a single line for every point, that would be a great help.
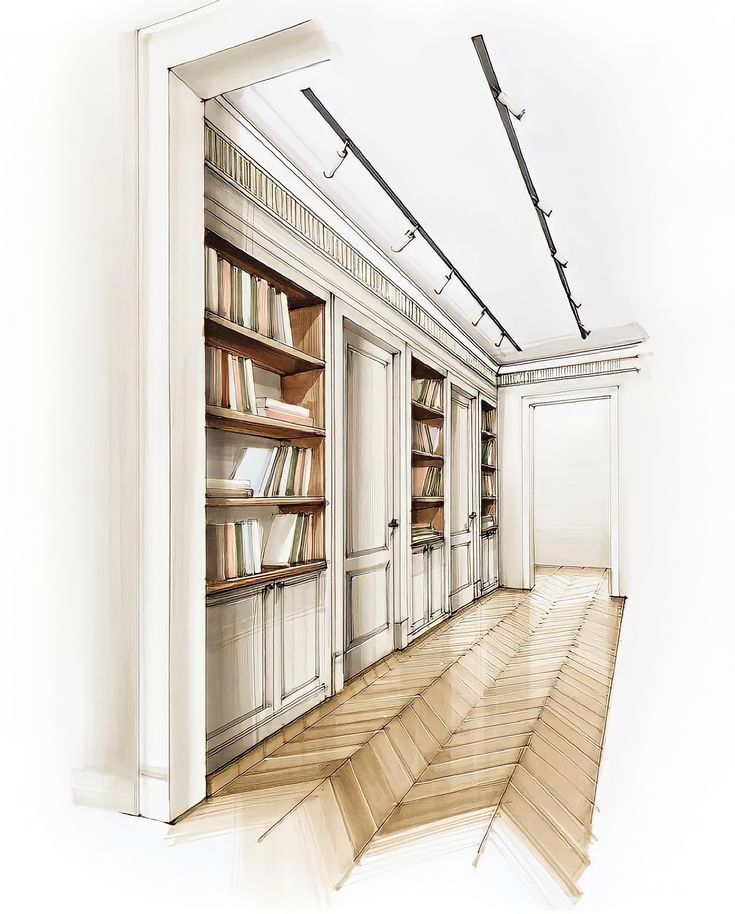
x: 571, y: 482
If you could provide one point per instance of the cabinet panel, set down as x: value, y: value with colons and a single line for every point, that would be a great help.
x: 419, y: 588
x: 489, y: 559
x: 236, y: 661
x: 436, y: 576
x: 299, y: 611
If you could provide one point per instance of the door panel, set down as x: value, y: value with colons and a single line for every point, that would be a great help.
x: 369, y: 501
x: 436, y: 575
x: 489, y: 559
x: 464, y: 497
x: 299, y: 610
x: 419, y: 595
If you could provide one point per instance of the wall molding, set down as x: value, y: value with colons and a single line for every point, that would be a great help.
x: 232, y: 163
x: 566, y: 372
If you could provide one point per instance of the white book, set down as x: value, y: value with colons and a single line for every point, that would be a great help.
x: 247, y: 547
x: 282, y: 307
x: 256, y: 544
x: 283, y: 481
x: 253, y: 464
x: 307, y: 473
x: 211, y: 294
x: 250, y: 384
x: 272, y: 403
x: 280, y: 540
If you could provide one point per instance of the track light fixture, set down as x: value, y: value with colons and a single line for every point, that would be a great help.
x: 342, y: 156
x: 505, y: 108
x: 416, y: 227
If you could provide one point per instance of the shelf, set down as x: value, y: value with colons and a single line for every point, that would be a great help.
x: 428, y: 542
x: 427, y: 412
x: 264, y: 351
x: 488, y: 467
x: 275, y: 574
x: 218, y: 501
x: 428, y: 499
x: 427, y: 458
x: 229, y: 420
x: 297, y: 296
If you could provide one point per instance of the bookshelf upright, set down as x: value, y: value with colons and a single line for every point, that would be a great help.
x: 428, y: 590
x: 488, y: 495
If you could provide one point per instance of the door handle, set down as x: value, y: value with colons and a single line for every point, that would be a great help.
x: 473, y: 515
x: 392, y: 524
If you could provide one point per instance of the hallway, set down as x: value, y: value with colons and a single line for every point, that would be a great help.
x: 496, y: 718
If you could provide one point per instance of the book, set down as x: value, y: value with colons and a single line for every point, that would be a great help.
x: 272, y: 403
x: 224, y: 288
x: 252, y: 465
x: 420, y: 532
x: 285, y: 318
x: 211, y: 295
x: 229, y: 488
x: 279, y: 546
x: 285, y: 417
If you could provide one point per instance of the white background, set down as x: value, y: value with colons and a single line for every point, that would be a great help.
x: 68, y: 388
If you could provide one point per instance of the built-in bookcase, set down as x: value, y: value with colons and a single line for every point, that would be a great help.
x: 265, y: 339
x: 427, y: 452
x: 488, y: 494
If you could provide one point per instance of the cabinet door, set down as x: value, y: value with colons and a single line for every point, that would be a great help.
x: 489, y: 559
x: 437, y: 602
x: 301, y: 653
x: 419, y: 588
x: 239, y: 659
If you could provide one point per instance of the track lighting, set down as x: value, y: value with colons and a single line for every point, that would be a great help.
x: 560, y: 259
x: 542, y: 208
x: 512, y: 106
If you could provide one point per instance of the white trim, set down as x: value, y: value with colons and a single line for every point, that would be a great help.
x: 528, y: 405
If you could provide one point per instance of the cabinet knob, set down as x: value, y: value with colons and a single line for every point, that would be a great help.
x: 393, y: 524
x: 473, y: 515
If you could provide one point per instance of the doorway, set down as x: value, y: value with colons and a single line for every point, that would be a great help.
x: 570, y: 482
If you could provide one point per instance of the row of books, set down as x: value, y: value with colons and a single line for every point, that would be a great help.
x: 488, y: 452
x: 488, y: 420
x: 229, y: 380
x: 236, y: 550
x: 246, y: 300
x: 488, y: 485
x: 425, y: 438
x: 230, y: 384
x: 487, y: 522
x: 426, y: 481
x: 421, y: 532
x: 427, y: 391
x: 267, y: 472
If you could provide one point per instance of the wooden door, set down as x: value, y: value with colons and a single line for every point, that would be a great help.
x: 370, y: 500
x: 464, y: 498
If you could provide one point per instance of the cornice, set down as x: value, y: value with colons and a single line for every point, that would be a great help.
x: 580, y: 369
x: 226, y: 158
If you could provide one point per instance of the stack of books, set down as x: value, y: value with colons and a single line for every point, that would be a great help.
x: 246, y: 300
x: 420, y: 533
x: 487, y: 522
x: 488, y: 485
x: 271, y: 471
x: 427, y: 481
x: 287, y: 412
x: 229, y: 488
x: 229, y: 380
x: 427, y: 391
x: 290, y: 541
x: 234, y: 550
x: 425, y: 438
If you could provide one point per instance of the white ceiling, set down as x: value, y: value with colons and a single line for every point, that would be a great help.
x: 405, y: 83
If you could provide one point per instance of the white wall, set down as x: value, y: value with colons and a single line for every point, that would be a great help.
x: 571, y: 483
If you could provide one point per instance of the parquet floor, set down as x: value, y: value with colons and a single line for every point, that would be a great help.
x: 499, y: 715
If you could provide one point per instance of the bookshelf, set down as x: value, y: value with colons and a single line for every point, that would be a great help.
x: 265, y: 413
x: 488, y: 495
x: 428, y: 591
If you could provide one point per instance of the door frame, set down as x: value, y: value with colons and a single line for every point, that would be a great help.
x: 528, y: 407
x: 356, y: 321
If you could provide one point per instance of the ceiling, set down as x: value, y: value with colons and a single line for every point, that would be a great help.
x: 405, y: 83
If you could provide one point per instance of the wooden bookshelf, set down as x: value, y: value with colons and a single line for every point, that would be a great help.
x: 427, y: 425
x: 291, y: 374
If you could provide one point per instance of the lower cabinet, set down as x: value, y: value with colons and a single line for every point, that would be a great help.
x: 428, y: 590
x: 489, y: 559
x: 268, y: 662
